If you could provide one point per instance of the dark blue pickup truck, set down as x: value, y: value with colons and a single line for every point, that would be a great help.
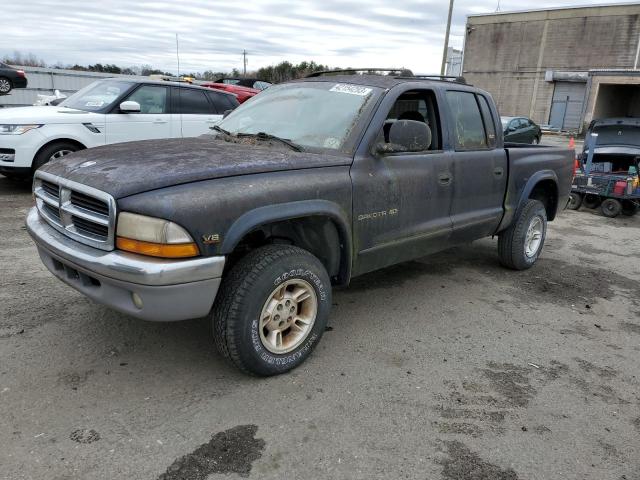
x: 303, y: 187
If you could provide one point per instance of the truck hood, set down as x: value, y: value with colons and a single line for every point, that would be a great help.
x: 46, y: 115
x: 128, y: 168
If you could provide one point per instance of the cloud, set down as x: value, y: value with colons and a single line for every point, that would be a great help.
x: 213, y: 34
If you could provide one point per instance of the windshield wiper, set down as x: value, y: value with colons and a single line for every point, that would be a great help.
x: 268, y: 136
x: 220, y: 129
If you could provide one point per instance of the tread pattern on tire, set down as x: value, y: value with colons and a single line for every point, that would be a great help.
x: 514, y: 232
x: 235, y: 288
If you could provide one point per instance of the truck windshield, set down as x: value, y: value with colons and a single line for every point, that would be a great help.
x: 97, y: 96
x: 313, y: 114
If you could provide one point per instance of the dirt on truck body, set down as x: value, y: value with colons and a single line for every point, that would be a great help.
x: 304, y: 187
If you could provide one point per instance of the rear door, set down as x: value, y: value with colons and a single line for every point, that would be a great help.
x: 401, y: 199
x: 479, y: 167
x: 193, y: 114
x: 153, y: 120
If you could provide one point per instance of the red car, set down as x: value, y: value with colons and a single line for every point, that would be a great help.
x: 242, y: 93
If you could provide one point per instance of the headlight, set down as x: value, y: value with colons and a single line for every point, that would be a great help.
x: 6, y: 129
x: 153, y: 236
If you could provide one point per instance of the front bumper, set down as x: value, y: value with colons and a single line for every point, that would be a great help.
x: 19, y: 150
x: 166, y: 290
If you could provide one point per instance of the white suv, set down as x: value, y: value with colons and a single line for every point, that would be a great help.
x: 107, y: 111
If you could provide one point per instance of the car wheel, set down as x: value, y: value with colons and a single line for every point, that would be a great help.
x: 520, y: 245
x: 575, y: 200
x: 536, y: 141
x: 591, y: 201
x: 272, y: 309
x: 5, y: 85
x: 629, y: 208
x: 53, y: 151
x: 611, y: 207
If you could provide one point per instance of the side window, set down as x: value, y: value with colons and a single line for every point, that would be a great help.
x: 489, y: 121
x: 152, y: 99
x: 418, y: 106
x: 469, y: 128
x: 219, y: 102
x: 189, y: 100
x: 260, y: 85
x: 524, y: 123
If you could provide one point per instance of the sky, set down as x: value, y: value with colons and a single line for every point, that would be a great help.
x: 213, y: 33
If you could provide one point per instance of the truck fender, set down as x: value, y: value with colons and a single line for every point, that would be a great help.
x: 532, y: 182
x: 255, y: 218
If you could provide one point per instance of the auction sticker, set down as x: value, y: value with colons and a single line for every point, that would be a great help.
x: 351, y: 89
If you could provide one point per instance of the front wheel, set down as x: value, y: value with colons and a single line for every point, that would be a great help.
x: 575, y: 200
x: 53, y: 151
x: 520, y: 245
x: 629, y: 208
x: 272, y: 309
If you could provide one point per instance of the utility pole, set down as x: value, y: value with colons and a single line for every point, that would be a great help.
x: 244, y: 63
x: 178, y: 54
x: 446, y: 40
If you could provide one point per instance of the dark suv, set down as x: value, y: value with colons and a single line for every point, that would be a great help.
x: 11, y: 78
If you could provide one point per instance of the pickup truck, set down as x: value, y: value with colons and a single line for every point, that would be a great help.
x: 308, y: 185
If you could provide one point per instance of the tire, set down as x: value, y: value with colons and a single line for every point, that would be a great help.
x: 611, y: 207
x: 575, y: 200
x: 5, y: 85
x: 53, y: 151
x: 246, y: 297
x: 517, y: 247
x: 629, y: 208
x: 591, y: 201
x: 536, y: 141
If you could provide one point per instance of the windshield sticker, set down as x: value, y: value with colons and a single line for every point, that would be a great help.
x: 94, y: 103
x: 351, y: 89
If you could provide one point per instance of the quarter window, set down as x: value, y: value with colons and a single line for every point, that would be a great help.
x: 469, y: 128
x: 152, y: 99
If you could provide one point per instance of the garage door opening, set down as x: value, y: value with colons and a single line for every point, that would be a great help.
x: 617, y: 101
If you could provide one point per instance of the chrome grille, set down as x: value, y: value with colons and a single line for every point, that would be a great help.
x: 79, y: 211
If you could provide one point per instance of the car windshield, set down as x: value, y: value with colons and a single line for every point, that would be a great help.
x: 312, y: 114
x: 96, y: 96
x: 618, y: 135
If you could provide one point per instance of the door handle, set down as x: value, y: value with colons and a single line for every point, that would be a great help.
x: 498, y: 171
x: 160, y: 120
x: 445, y: 178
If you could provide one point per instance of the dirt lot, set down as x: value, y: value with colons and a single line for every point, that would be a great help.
x: 445, y: 368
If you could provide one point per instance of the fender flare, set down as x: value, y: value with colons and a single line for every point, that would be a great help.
x: 287, y: 211
x: 532, y: 182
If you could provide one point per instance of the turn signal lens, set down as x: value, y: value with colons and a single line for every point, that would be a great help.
x: 175, y: 250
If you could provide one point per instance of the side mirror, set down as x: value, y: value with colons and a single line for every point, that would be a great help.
x: 406, y: 136
x: 130, y: 107
x: 226, y: 113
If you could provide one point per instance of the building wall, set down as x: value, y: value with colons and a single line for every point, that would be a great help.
x: 509, y: 54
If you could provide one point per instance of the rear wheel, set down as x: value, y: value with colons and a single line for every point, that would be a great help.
x: 520, y: 245
x: 591, y: 201
x: 536, y: 141
x: 53, y: 151
x: 272, y: 309
x: 629, y: 208
x: 5, y: 85
x: 611, y: 207
x: 575, y: 200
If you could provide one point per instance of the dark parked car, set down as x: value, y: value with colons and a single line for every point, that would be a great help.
x: 245, y: 82
x: 304, y: 187
x: 11, y: 78
x: 521, y: 130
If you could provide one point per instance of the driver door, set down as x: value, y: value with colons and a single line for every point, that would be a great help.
x: 153, y: 120
x: 401, y: 199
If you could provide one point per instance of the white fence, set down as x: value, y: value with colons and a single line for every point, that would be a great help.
x: 43, y: 81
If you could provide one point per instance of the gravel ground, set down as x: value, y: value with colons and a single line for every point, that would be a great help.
x: 444, y: 368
